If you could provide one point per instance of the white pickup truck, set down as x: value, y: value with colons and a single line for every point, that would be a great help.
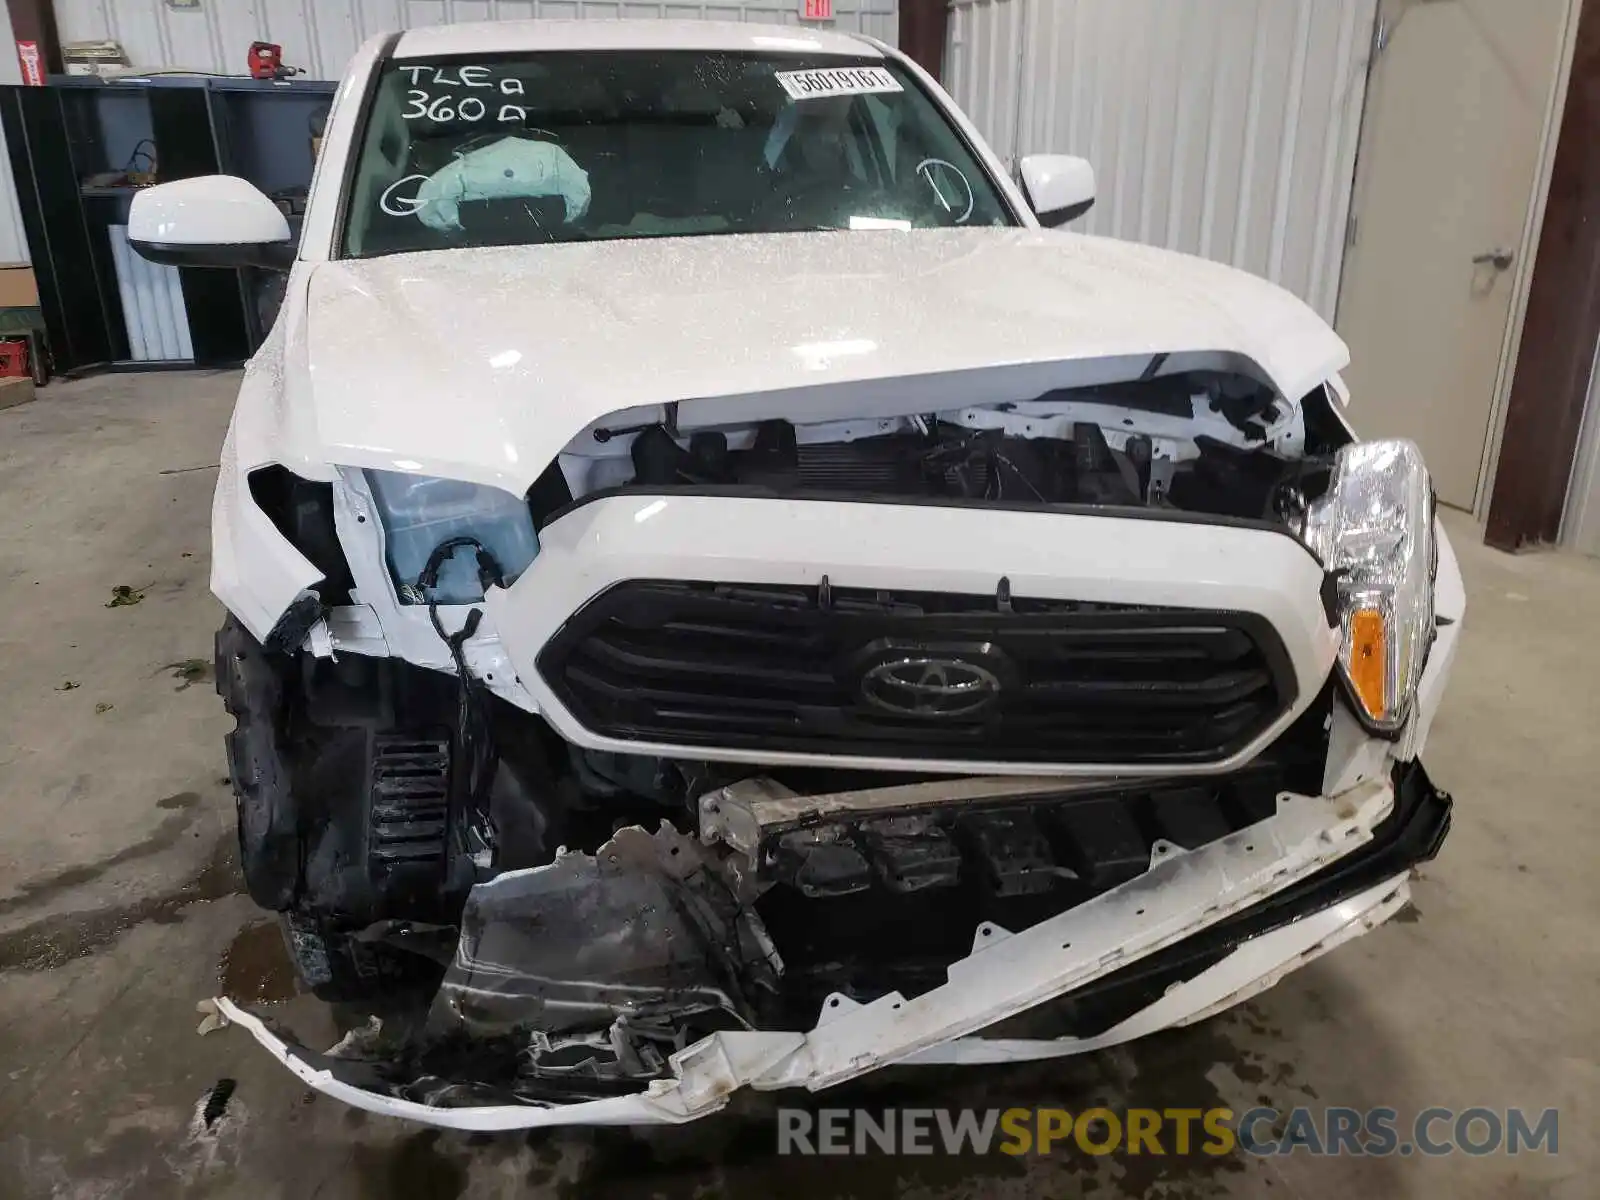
x: 723, y: 592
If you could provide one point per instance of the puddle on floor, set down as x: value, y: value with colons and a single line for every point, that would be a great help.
x: 256, y: 969
x: 52, y: 941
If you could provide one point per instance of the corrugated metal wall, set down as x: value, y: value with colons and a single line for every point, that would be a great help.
x: 1225, y: 128
x: 321, y: 35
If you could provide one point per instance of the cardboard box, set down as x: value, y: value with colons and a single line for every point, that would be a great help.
x: 15, y: 390
x: 17, y: 286
x: 94, y: 58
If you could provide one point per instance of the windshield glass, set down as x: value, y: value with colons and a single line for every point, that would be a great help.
x: 570, y: 146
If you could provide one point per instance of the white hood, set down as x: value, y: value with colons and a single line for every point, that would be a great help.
x: 482, y: 364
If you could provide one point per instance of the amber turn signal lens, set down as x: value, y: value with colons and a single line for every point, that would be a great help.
x: 1369, y: 661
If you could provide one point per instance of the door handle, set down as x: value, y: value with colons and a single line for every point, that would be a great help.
x: 1500, y: 260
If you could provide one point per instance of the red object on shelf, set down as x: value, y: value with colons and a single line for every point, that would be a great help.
x: 14, y: 358
x: 32, y: 64
x: 266, y: 62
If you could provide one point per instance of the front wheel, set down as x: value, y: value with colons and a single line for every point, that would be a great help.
x: 251, y: 685
x: 340, y: 772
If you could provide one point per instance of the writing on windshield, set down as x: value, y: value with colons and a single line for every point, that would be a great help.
x: 577, y: 146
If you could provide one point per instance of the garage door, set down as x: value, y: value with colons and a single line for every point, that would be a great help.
x: 321, y: 35
x: 1225, y: 128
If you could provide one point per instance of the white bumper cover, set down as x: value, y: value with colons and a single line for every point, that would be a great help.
x: 1183, y: 893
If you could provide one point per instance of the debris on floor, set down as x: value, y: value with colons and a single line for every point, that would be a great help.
x: 122, y: 595
x: 189, y: 671
x: 211, y: 1018
x: 217, y: 1101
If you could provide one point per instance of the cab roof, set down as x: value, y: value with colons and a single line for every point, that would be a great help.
x: 487, y: 37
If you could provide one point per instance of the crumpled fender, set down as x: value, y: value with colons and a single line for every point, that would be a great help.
x: 255, y: 571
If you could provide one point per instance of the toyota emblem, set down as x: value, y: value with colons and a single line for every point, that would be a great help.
x: 930, y: 687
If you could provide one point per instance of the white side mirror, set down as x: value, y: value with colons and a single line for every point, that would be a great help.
x: 1060, y: 187
x: 209, y: 221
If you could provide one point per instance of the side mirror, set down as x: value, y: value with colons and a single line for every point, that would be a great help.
x: 209, y: 221
x: 1059, y: 187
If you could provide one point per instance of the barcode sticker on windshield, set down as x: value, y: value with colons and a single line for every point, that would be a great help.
x: 837, y: 81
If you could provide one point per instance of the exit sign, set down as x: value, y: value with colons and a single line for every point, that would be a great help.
x: 816, y: 10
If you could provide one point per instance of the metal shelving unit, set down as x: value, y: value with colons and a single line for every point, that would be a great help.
x: 103, y: 307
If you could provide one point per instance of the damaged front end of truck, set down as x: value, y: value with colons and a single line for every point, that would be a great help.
x: 1008, y: 709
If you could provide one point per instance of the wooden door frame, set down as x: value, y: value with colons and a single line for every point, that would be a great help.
x: 35, y: 21
x: 922, y: 31
x: 1546, y: 375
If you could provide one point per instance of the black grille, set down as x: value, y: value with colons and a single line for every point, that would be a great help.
x: 782, y: 669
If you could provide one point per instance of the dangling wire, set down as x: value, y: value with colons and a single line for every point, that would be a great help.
x: 474, y: 737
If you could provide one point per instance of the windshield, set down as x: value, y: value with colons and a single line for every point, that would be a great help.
x: 572, y: 146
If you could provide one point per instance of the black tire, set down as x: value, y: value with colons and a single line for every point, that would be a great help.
x: 251, y: 687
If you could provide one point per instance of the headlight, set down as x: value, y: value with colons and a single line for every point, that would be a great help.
x: 1374, y: 530
x: 421, y: 513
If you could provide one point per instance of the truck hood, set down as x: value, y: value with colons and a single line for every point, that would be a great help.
x: 482, y: 364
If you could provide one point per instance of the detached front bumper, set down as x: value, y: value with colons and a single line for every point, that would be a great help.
x: 1201, y: 930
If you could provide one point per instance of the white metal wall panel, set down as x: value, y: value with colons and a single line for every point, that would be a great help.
x: 1580, y: 522
x: 10, y: 65
x: 13, y: 240
x: 321, y: 35
x: 152, y: 304
x: 1225, y: 128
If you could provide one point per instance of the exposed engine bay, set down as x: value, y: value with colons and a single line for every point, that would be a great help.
x: 1201, y: 442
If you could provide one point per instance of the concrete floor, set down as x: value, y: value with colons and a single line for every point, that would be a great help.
x: 120, y: 908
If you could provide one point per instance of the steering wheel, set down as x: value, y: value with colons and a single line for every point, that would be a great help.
x: 952, y: 190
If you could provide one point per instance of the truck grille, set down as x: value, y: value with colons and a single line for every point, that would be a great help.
x: 844, y: 671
